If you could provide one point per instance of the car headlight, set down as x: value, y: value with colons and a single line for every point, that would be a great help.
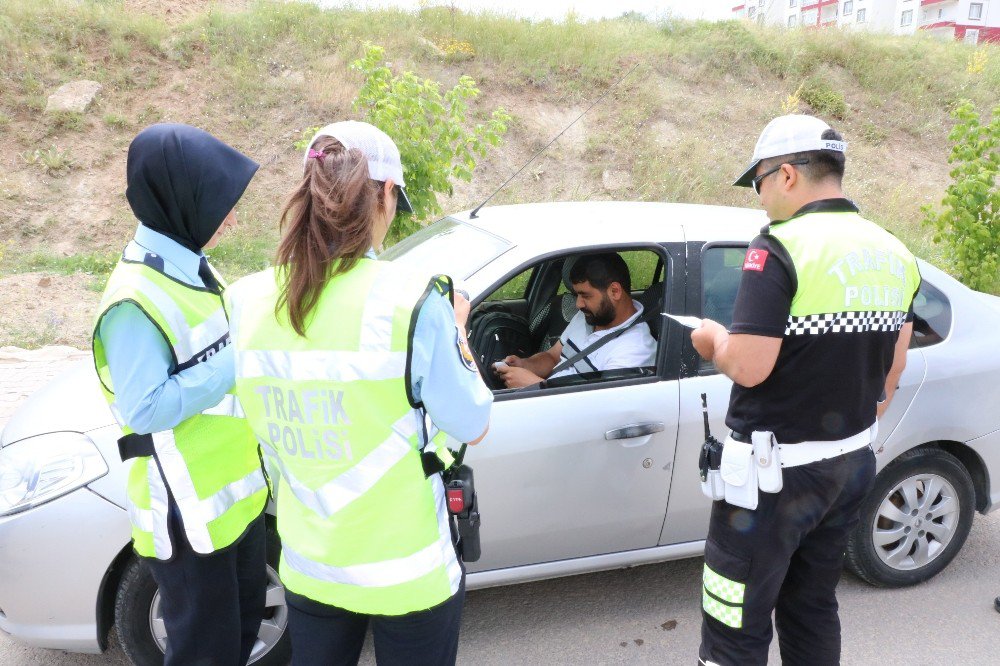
x: 40, y: 469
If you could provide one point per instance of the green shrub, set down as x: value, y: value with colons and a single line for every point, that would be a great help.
x: 968, y: 224
x: 820, y: 95
x: 429, y: 128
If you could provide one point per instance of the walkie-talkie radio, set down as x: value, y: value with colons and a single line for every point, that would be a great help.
x: 710, y: 459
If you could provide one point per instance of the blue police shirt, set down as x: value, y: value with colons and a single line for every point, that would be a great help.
x: 150, y: 397
x: 454, y: 395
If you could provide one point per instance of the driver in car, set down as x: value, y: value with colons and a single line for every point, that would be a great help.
x: 602, y: 285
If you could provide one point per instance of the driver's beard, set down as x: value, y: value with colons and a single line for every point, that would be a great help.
x: 604, y: 315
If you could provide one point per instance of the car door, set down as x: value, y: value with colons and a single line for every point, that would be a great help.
x: 580, y: 470
x: 715, y: 271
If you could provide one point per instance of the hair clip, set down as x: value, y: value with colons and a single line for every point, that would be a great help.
x: 318, y: 154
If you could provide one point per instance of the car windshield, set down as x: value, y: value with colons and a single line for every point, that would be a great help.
x: 448, y: 246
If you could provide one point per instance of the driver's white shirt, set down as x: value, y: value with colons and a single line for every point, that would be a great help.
x: 635, y: 348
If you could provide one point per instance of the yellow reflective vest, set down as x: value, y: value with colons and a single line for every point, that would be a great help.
x: 362, y: 528
x: 209, y: 462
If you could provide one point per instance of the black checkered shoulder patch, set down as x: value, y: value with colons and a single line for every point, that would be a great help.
x: 845, y: 322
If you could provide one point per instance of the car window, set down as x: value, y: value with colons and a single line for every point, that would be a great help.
x: 515, y: 319
x: 931, y: 316
x: 513, y: 289
x: 721, y: 269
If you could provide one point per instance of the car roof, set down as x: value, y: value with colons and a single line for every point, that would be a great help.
x: 614, y: 222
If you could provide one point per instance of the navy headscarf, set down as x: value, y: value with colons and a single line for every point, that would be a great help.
x: 182, y: 182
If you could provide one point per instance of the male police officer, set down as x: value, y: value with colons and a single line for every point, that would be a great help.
x: 820, y: 329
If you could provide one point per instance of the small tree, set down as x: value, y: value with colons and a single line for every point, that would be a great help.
x: 968, y: 223
x: 429, y: 128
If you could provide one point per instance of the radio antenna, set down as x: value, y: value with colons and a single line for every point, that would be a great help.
x: 614, y: 85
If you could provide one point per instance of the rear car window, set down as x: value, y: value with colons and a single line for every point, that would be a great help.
x: 931, y: 316
x: 721, y: 269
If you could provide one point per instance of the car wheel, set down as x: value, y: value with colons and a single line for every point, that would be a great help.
x: 143, y: 636
x: 914, y: 521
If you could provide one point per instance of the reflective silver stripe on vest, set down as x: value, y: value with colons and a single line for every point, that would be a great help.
x: 117, y: 414
x: 379, y: 311
x: 375, y: 574
x: 182, y: 486
x: 330, y: 366
x: 141, y: 519
x: 213, y: 507
x: 448, y: 555
x: 189, y: 340
x: 197, y: 513
x: 337, y: 493
x: 228, y: 406
x: 158, y: 503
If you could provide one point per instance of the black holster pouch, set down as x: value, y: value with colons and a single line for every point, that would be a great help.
x: 460, y: 493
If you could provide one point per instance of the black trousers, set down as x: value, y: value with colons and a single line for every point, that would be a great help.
x: 784, y: 557
x: 212, y: 604
x: 325, y: 635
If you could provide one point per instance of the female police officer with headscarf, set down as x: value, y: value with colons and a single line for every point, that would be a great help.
x: 338, y: 357
x: 196, y: 490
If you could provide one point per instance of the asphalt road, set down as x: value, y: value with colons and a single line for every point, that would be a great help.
x: 649, y: 615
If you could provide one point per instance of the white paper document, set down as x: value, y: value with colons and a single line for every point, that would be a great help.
x: 684, y: 320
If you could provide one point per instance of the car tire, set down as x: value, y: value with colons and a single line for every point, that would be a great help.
x: 915, y: 520
x: 137, y: 600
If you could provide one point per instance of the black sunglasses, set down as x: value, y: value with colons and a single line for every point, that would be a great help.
x: 755, y: 183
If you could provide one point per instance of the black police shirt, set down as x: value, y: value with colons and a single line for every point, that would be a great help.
x: 823, y: 387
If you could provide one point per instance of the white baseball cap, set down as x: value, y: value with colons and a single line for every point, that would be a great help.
x: 786, y: 135
x: 382, y: 154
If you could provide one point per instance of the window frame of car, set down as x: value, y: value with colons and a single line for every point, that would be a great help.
x: 667, y: 366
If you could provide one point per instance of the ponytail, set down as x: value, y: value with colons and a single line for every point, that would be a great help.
x: 327, y: 225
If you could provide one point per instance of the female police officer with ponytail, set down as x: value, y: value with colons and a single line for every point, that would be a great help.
x: 338, y: 357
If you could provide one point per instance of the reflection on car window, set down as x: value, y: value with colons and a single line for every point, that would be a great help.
x: 931, y: 316
x: 447, y: 246
x: 721, y: 269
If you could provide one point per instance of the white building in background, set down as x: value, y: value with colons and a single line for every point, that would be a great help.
x: 970, y: 20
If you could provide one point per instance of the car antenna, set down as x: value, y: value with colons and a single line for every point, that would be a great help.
x: 614, y: 85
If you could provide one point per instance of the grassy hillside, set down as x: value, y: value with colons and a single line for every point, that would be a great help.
x: 256, y: 74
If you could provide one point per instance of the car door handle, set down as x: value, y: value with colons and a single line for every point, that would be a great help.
x: 634, y: 430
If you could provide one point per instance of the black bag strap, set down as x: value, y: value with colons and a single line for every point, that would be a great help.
x: 645, y: 317
x: 429, y: 460
x: 135, y: 445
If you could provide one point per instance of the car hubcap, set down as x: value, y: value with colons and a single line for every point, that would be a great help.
x: 272, y: 627
x: 916, y: 521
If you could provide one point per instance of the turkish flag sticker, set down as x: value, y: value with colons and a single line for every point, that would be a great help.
x: 755, y: 260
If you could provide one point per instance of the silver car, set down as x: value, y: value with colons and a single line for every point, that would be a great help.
x: 584, y: 473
